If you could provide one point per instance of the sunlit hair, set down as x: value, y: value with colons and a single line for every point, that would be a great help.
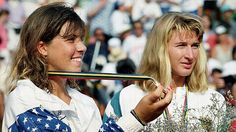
x: 156, y: 62
x: 43, y: 24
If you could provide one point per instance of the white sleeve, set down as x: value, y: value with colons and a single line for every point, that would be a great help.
x: 129, y: 123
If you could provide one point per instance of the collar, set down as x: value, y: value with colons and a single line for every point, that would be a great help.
x: 85, y: 107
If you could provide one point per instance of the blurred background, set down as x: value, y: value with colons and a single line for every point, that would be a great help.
x: 117, y: 34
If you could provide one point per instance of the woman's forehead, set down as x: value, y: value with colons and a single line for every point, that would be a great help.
x: 184, y: 34
x: 70, y: 29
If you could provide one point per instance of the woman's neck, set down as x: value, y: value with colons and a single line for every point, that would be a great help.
x: 177, y: 81
x: 59, y: 89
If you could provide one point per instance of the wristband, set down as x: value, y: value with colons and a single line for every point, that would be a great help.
x: 136, y: 116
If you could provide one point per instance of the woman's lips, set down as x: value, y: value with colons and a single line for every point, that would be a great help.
x: 187, y: 65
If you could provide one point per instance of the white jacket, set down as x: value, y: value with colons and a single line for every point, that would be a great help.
x: 198, y: 105
x: 80, y: 115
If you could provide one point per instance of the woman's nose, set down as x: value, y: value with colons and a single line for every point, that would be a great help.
x: 189, y: 53
x: 80, y: 46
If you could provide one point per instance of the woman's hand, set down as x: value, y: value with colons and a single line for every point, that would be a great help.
x: 152, y: 105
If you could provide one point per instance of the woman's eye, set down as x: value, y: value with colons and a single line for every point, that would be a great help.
x: 71, y: 40
x: 180, y: 45
x: 196, y: 46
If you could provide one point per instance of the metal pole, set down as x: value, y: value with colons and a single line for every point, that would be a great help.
x: 95, y: 55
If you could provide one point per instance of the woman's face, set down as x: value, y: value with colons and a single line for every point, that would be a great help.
x: 183, y: 52
x: 64, y: 54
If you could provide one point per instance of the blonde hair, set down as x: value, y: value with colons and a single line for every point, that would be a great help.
x: 155, y: 60
x: 43, y: 24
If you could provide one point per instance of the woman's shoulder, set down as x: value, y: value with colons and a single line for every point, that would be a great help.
x: 215, y: 94
x: 209, y: 97
x: 209, y: 93
x: 131, y: 93
x: 130, y: 96
x: 132, y: 89
x: 24, y: 91
x: 22, y: 98
x: 124, y: 101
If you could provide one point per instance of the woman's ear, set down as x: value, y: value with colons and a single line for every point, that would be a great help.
x: 42, y: 48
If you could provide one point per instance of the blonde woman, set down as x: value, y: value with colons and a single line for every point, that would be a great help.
x: 174, y: 56
x: 52, y: 39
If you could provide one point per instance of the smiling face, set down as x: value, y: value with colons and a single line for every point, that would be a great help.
x: 183, y: 52
x: 65, y: 53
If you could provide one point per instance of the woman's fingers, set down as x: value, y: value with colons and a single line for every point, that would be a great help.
x: 164, y: 102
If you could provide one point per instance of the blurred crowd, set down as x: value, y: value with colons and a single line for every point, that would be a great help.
x: 117, y: 32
